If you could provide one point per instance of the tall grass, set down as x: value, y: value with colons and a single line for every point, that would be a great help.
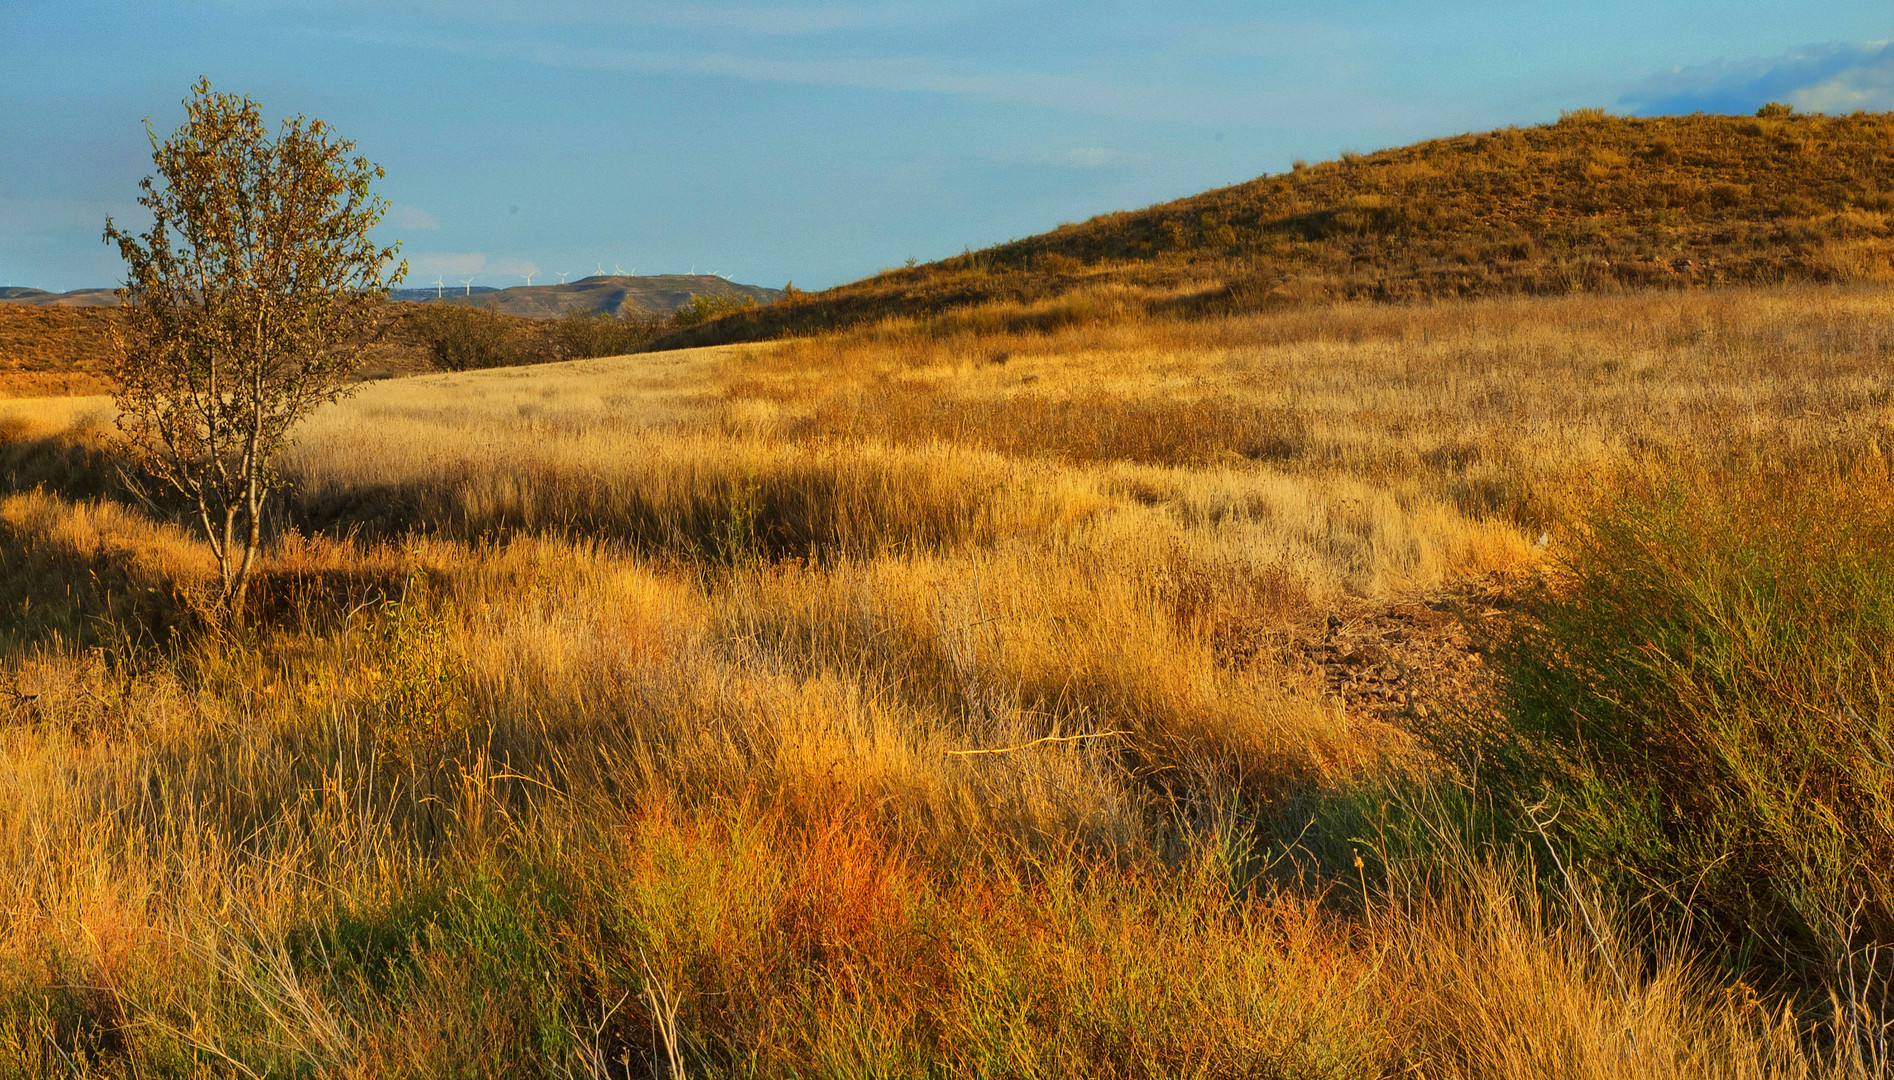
x: 861, y: 706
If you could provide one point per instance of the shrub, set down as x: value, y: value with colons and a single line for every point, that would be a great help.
x: 462, y: 338
x: 1580, y: 117
x: 588, y: 333
x: 703, y: 308
x: 1712, y: 701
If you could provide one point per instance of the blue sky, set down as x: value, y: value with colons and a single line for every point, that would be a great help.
x: 820, y: 141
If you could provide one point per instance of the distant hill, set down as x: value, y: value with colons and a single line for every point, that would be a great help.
x: 420, y: 296
x: 610, y: 294
x: 62, y: 342
x: 1590, y: 202
x: 14, y: 294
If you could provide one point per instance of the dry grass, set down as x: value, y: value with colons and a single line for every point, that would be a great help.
x: 581, y: 688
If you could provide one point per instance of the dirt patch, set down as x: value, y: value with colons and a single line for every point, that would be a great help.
x: 1408, y: 660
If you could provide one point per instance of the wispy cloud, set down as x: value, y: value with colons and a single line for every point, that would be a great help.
x: 412, y: 217
x: 1815, y: 78
x: 745, y: 18
x: 446, y: 263
x: 1065, y: 92
x: 511, y: 268
x: 1095, y: 157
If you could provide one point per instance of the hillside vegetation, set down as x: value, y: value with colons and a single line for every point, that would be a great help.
x: 1150, y: 698
x: 57, y: 348
x: 1593, y: 202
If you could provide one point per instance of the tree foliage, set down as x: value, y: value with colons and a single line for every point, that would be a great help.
x: 247, y: 305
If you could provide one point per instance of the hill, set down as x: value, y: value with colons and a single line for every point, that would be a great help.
x: 15, y: 294
x: 55, y: 343
x: 1592, y: 202
x: 609, y: 294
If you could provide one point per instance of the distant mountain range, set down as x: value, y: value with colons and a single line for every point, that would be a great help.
x: 609, y: 294
x: 14, y: 294
x: 606, y: 294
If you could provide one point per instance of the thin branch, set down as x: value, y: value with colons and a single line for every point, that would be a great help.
x: 1037, y: 742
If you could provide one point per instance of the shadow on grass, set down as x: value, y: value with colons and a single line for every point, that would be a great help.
x: 72, y: 468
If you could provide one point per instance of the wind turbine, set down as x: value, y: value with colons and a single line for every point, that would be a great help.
x: 529, y: 279
x: 562, y: 276
x: 468, y: 282
x: 601, y: 269
x: 619, y: 270
x: 437, y: 288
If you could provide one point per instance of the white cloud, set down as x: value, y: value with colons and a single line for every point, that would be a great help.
x: 1869, y: 86
x: 1815, y: 78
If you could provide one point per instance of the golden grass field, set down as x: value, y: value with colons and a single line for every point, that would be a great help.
x: 907, y: 701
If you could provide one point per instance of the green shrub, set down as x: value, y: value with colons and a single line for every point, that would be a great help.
x: 703, y: 308
x: 588, y: 333
x: 462, y: 338
x: 1711, y: 704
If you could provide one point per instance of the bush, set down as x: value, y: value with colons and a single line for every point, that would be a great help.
x: 462, y: 338
x: 703, y: 308
x: 1711, y: 702
x: 586, y: 333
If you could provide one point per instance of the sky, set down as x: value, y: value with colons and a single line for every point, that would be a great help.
x: 771, y: 141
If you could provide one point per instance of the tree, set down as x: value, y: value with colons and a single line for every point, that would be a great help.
x: 247, y: 305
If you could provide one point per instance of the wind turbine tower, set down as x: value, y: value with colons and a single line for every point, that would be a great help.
x: 468, y: 282
x: 437, y: 288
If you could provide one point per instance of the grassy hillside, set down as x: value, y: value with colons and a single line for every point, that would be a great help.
x: 54, y: 349
x: 1593, y: 202
x: 57, y: 349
